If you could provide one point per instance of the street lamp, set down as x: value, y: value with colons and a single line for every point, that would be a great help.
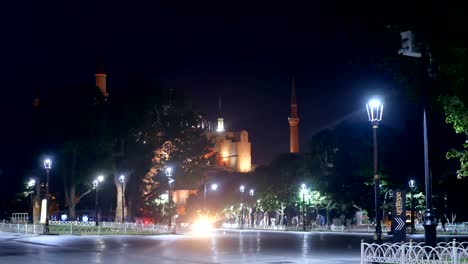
x: 213, y: 187
x: 252, y: 193
x: 47, y: 167
x: 96, y: 182
x: 31, y: 183
x: 303, y: 191
x: 374, y: 112
x: 409, y: 49
x: 411, y: 184
x: 242, y: 190
x: 169, y: 175
x: 122, y: 185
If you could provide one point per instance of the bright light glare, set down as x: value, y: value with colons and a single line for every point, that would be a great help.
x: 47, y: 164
x: 100, y: 178
x: 303, y: 186
x: 214, y: 186
x: 122, y: 178
x: 374, y: 103
x: 168, y: 171
x: 203, y: 226
x: 31, y: 183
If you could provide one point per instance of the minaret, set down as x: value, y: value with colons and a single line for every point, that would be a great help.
x: 293, y: 122
x: 101, y: 75
x: 220, y: 127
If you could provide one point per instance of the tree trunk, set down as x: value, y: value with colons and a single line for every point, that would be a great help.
x: 120, y: 201
x: 71, y: 203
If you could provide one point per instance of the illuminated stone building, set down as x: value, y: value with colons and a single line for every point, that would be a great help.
x: 233, y: 148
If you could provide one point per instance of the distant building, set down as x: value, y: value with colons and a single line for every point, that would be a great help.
x: 233, y: 148
x: 293, y: 121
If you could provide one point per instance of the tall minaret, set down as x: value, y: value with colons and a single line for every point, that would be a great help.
x: 293, y: 122
x: 220, y: 127
x: 101, y: 75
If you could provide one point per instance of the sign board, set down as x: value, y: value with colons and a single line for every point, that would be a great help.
x: 399, y: 216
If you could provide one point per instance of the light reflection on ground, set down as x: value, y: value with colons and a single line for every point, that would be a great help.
x: 219, y: 247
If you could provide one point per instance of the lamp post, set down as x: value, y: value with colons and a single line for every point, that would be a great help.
x: 303, y: 191
x: 411, y: 184
x: 96, y: 182
x: 410, y: 49
x: 122, y: 184
x: 251, y: 193
x: 213, y: 187
x: 242, y: 190
x: 31, y: 184
x: 374, y: 112
x: 47, y: 167
x: 170, y: 180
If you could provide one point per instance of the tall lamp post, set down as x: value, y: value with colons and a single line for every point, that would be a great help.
x: 47, y: 167
x: 303, y: 191
x: 122, y: 184
x: 410, y: 49
x: 411, y: 184
x: 170, y: 180
x: 242, y: 190
x: 251, y: 193
x: 213, y: 187
x: 374, y: 112
x: 31, y: 184
x: 96, y: 182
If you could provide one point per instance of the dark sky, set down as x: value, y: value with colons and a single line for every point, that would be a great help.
x: 244, y: 52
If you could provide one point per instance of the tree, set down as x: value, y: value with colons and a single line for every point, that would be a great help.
x: 175, y: 132
x: 79, y: 143
x: 454, y: 101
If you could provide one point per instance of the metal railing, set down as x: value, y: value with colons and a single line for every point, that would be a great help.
x: 22, y: 228
x: 412, y: 253
x: 359, y: 229
x: 86, y: 228
x: 106, y: 228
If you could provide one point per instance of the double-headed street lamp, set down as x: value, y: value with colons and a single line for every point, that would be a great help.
x: 412, y: 185
x: 31, y: 183
x: 96, y: 182
x: 122, y: 185
x: 304, y: 213
x: 168, y: 171
x: 47, y: 167
x: 213, y: 187
x: 374, y: 112
x: 242, y: 190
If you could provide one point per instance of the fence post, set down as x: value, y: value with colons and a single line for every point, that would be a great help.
x: 402, y: 258
x: 362, y: 251
x: 454, y: 252
x: 71, y: 229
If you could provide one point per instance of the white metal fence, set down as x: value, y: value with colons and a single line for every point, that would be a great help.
x: 22, y: 228
x: 86, y: 228
x: 359, y: 229
x: 415, y: 253
x: 106, y: 228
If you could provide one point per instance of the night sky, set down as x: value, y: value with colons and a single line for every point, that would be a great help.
x: 244, y: 52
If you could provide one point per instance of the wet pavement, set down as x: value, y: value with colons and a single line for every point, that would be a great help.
x: 219, y: 247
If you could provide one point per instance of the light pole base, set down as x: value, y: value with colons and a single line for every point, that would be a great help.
x: 430, y: 234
